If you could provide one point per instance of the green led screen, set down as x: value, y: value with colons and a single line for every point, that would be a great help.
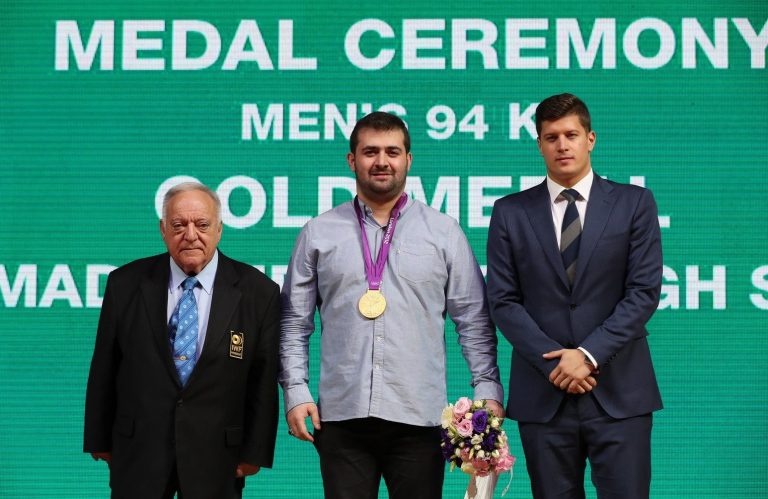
x: 104, y: 105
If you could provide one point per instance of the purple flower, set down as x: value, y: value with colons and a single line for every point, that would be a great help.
x: 479, y: 421
x: 489, y: 442
x: 447, y: 446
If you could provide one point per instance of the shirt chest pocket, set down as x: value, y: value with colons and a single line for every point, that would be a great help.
x: 418, y: 263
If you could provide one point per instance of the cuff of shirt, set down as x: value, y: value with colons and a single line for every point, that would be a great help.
x: 295, y: 395
x: 589, y: 356
x: 488, y: 390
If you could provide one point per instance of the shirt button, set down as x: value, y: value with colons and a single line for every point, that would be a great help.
x: 379, y: 338
x: 378, y: 366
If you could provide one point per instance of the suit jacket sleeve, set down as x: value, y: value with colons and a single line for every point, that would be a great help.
x: 642, y: 285
x: 261, y: 409
x: 505, y: 297
x: 100, y: 395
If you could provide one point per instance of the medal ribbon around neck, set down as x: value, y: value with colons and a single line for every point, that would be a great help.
x: 372, y: 304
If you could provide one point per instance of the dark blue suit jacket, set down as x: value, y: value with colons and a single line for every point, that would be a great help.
x: 615, y: 292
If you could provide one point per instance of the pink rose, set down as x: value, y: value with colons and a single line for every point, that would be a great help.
x: 462, y: 406
x: 482, y: 467
x: 464, y: 427
x: 505, y: 460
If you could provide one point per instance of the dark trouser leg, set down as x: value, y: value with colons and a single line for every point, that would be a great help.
x: 355, y: 454
x: 619, y: 452
x: 555, y: 454
x: 413, y: 464
x: 347, y: 463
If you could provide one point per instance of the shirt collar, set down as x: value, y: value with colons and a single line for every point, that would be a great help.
x: 205, y: 277
x: 369, y: 213
x: 583, y: 187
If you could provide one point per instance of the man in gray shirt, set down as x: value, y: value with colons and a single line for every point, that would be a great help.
x: 383, y: 270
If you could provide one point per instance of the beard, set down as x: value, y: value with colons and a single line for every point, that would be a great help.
x: 380, y: 189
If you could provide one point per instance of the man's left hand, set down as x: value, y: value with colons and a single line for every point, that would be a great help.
x: 572, y: 367
x: 495, y: 407
x: 245, y: 469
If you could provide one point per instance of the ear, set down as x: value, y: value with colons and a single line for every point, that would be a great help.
x: 591, y: 139
x: 538, y: 144
x: 409, y: 160
x: 351, y: 161
x: 162, y: 228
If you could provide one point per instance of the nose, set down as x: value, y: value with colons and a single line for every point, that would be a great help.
x: 562, y: 143
x: 190, y: 232
x: 382, y: 159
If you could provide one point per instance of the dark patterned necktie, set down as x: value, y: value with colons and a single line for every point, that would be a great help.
x: 570, y: 234
x: 182, y: 330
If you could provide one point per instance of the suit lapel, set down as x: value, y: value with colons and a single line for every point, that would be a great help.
x: 599, y: 208
x: 154, y: 290
x: 540, y: 215
x: 224, y: 302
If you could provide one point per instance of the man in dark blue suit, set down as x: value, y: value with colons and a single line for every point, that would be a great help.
x: 574, y: 275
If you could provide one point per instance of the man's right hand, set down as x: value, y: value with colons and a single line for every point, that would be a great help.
x: 296, y: 419
x: 104, y: 456
x: 583, y: 386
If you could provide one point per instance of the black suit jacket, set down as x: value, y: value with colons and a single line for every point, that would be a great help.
x: 136, y: 407
x: 615, y: 292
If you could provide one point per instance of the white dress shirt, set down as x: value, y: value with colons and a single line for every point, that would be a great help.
x: 558, y: 204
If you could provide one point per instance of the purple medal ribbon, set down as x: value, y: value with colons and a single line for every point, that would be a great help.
x: 374, y: 271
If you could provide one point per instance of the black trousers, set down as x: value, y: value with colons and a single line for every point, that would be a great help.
x: 355, y: 454
x: 172, y: 488
x: 619, y: 452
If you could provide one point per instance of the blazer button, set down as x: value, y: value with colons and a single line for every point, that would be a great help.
x: 572, y: 306
x: 179, y: 403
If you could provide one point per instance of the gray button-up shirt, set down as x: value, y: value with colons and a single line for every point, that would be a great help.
x: 392, y: 367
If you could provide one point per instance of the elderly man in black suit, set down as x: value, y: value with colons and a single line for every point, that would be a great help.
x: 182, y: 392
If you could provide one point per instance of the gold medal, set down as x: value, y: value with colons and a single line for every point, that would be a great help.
x: 372, y: 304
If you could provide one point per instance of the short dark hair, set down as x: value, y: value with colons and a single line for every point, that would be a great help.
x: 379, y: 121
x: 562, y: 105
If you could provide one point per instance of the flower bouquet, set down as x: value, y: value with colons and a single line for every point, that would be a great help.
x: 473, y: 440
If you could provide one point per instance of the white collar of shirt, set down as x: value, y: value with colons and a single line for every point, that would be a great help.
x: 369, y: 212
x: 583, y: 187
x: 205, y: 277
x: 559, y: 204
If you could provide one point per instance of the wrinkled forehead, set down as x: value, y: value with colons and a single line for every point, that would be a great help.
x: 191, y: 205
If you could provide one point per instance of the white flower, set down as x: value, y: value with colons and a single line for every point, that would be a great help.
x: 476, y: 439
x: 477, y: 404
x: 481, y: 454
x: 495, y: 422
x: 446, y: 418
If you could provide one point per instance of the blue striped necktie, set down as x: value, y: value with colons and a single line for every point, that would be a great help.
x: 182, y: 330
x: 570, y: 234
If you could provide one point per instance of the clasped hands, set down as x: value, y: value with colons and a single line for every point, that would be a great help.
x: 572, y: 373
